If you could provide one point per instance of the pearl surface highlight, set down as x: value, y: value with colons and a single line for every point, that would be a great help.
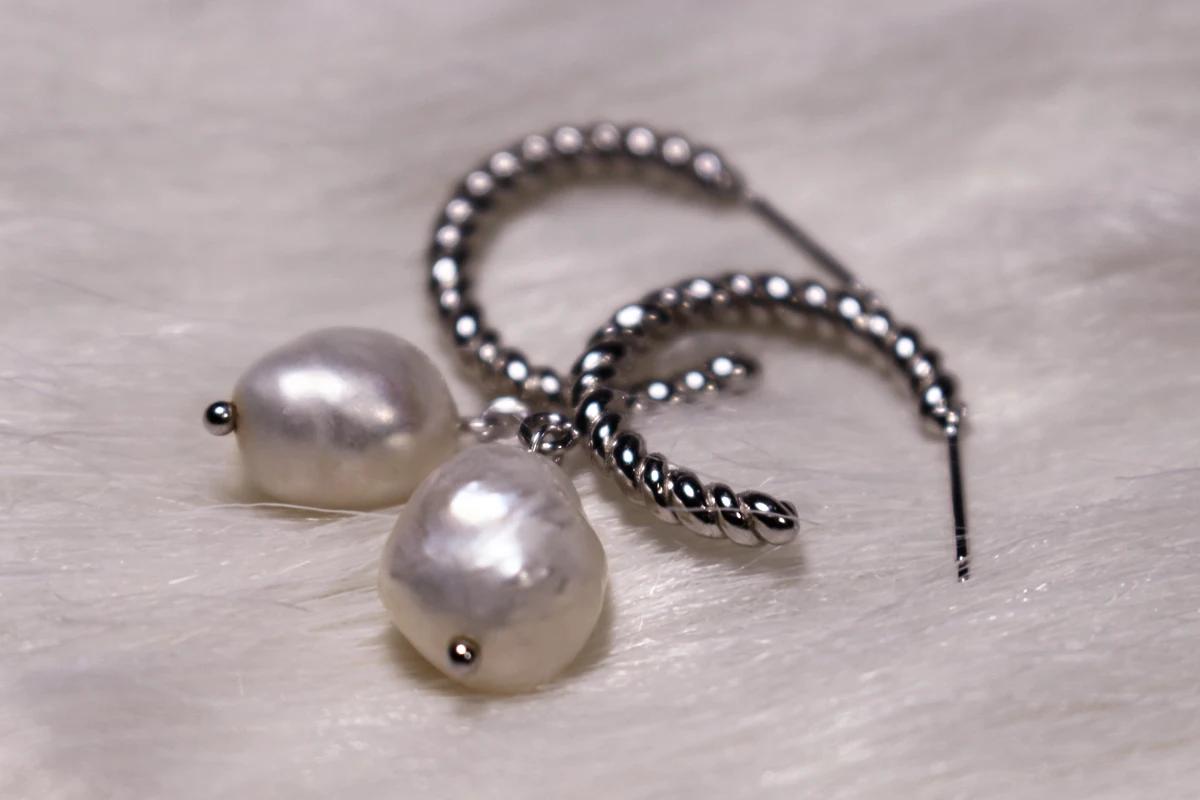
x: 492, y: 571
x: 344, y: 418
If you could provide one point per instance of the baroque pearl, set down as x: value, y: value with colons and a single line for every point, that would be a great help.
x: 343, y: 418
x: 493, y: 572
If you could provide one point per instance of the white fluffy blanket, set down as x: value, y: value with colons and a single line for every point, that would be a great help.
x: 185, y: 184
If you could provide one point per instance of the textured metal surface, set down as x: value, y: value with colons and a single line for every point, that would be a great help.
x: 540, y: 161
x: 714, y: 510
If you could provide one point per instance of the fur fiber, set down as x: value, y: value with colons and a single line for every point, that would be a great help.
x: 184, y: 184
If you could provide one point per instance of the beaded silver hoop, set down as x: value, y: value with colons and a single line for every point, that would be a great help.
x: 570, y: 151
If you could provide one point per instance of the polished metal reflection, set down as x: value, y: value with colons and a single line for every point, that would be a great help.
x: 463, y: 654
x: 637, y: 150
x: 676, y: 494
x: 220, y: 418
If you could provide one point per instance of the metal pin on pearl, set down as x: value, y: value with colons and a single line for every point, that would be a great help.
x: 463, y: 653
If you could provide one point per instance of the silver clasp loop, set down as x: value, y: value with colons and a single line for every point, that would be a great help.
x: 548, y: 433
x: 500, y: 419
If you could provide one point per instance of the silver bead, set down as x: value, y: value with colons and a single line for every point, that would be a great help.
x: 697, y: 295
x: 733, y: 373
x: 445, y: 274
x: 906, y: 346
x: 568, y: 141
x: 458, y: 211
x: 652, y: 394
x: 535, y: 149
x: 713, y: 174
x: 467, y: 325
x: 492, y: 572
x: 693, y: 383
x: 479, y: 185
x: 740, y: 286
x: 630, y: 318
x: 676, y: 152
x: 463, y: 654
x: 708, y: 166
x: 504, y: 165
x: 448, y: 238
x: 660, y: 391
x: 605, y: 138
x: 515, y: 368
x: 450, y: 301
x: 850, y: 309
x: 778, y: 288
x: 219, y: 418
x: 343, y: 418
x: 547, y: 384
x: 640, y: 141
x: 815, y: 295
x: 879, y: 325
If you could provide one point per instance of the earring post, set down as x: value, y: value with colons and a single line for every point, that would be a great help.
x: 958, y: 503
x: 791, y: 230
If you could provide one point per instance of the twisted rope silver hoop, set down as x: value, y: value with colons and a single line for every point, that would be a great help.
x: 674, y: 493
x: 714, y: 510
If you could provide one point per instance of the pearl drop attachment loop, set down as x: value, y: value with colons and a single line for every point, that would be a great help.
x: 499, y: 419
x: 548, y: 433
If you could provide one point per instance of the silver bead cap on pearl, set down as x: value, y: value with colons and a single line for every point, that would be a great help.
x: 220, y: 418
x: 463, y: 654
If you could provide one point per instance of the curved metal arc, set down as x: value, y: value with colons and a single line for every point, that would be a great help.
x: 676, y: 494
x: 507, y: 172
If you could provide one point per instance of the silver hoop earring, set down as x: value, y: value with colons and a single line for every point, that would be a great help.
x: 674, y: 493
x: 541, y: 161
x: 492, y: 571
x: 516, y: 169
x: 353, y: 418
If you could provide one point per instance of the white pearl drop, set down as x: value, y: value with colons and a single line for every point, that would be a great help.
x: 343, y: 418
x: 494, y: 549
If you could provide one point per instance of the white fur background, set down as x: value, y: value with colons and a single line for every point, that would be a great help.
x: 186, y: 184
